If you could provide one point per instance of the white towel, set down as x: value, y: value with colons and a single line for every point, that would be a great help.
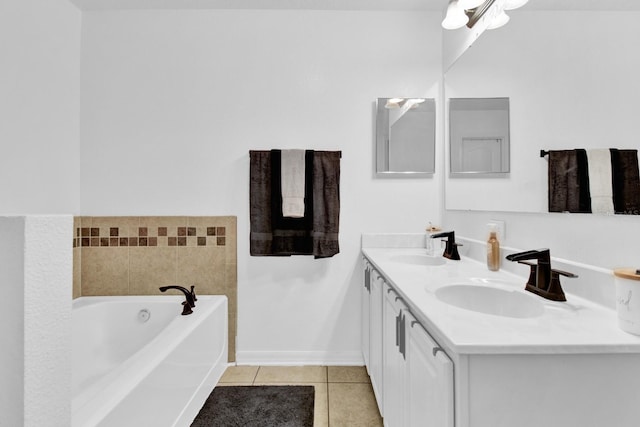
x: 292, y: 182
x: 600, y: 183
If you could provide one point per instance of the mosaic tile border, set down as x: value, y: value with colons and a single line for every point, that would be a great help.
x: 149, y: 236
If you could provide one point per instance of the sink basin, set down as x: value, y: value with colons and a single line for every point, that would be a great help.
x: 491, y: 300
x: 417, y: 259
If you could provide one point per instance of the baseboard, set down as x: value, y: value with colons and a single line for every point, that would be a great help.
x: 299, y: 358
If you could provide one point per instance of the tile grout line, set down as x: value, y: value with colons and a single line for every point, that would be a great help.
x: 328, y: 403
x: 255, y: 376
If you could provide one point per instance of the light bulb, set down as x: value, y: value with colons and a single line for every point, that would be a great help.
x: 391, y: 104
x: 455, y: 18
x: 499, y: 21
x: 514, y: 4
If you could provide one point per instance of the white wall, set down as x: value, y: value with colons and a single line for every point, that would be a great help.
x: 39, y: 173
x: 35, y: 321
x: 39, y: 106
x: 172, y: 102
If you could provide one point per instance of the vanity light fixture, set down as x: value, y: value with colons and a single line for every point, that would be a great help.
x: 498, y: 21
x: 455, y: 17
x: 393, y: 102
x: 414, y: 102
x: 474, y: 10
x: 402, y: 102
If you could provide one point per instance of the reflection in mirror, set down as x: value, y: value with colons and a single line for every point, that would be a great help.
x: 571, y: 77
x: 479, y: 136
x: 405, y: 137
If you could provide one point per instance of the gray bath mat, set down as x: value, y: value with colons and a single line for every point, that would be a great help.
x: 257, y: 406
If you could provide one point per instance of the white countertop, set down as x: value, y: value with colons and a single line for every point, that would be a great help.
x: 575, y: 326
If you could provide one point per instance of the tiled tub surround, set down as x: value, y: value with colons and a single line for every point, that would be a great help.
x: 136, y: 255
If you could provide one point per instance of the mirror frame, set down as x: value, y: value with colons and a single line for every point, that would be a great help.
x: 380, y: 143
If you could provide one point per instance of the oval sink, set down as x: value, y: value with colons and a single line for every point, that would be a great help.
x: 417, y: 259
x: 490, y: 300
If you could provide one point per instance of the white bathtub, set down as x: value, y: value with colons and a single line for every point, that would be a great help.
x: 158, y: 372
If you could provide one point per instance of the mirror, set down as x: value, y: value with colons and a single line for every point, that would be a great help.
x: 405, y: 137
x: 571, y: 77
x: 478, y: 136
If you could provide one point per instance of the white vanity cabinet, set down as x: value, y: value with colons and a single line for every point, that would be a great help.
x: 394, y: 356
x: 437, y: 365
x: 412, y: 377
x: 365, y: 310
x: 375, y: 335
x: 430, y: 386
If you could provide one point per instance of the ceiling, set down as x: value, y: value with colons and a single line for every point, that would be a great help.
x: 429, y: 5
x: 434, y: 5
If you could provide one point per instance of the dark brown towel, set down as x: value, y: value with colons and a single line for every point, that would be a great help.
x: 625, y: 181
x: 291, y: 236
x: 261, y: 234
x: 326, y: 203
x: 568, y: 181
x: 584, y: 193
x: 316, y: 233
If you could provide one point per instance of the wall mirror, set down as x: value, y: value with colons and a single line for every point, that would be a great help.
x: 405, y: 137
x: 573, y: 85
x: 478, y: 136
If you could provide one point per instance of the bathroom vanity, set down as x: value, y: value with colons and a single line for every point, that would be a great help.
x: 450, y: 343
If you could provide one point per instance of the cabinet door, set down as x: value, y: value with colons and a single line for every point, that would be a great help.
x: 394, y: 359
x: 430, y: 378
x: 375, y: 336
x: 365, y: 303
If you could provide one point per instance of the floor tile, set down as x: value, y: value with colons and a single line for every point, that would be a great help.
x: 348, y: 374
x: 352, y: 405
x: 321, y: 406
x: 291, y: 374
x: 239, y: 375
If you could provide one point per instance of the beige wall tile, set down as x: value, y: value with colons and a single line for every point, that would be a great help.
x: 127, y: 225
x: 170, y: 222
x: 202, y: 266
x: 105, y: 271
x: 77, y: 271
x: 150, y: 268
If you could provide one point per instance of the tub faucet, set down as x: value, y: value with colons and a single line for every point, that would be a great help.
x: 451, y: 249
x: 543, y: 280
x: 190, y: 297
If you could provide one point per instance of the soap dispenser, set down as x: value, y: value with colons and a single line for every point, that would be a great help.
x: 429, y: 243
x: 493, y: 249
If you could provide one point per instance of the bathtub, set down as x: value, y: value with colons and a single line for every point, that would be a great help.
x: 138, y: 362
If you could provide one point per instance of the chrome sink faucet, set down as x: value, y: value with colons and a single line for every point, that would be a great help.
x: 190, y: 297
x: 543, y: 280
x: 451, y: 249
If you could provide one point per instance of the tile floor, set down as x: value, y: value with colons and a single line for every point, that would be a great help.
x: 344, y: 397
